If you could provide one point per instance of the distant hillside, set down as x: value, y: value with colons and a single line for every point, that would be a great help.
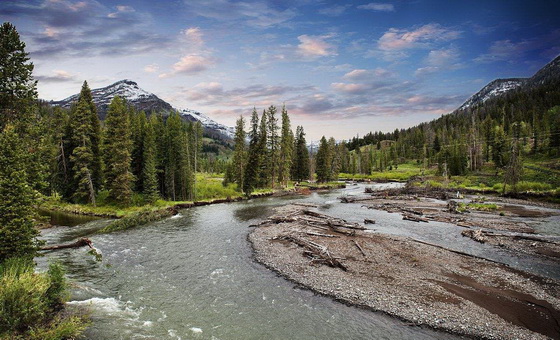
x: 503, y: 101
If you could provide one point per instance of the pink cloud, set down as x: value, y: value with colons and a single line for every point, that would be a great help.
x: 315, y: 46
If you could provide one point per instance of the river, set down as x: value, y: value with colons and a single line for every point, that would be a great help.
x: 192, y: 276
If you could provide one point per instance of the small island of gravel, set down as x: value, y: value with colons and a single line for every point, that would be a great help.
x: 417, y: 282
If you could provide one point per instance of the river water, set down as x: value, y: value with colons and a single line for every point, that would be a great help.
x: 192, y: 276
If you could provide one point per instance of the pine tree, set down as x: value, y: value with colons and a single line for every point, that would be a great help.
x: 18, y: 89
x: 117, y: 151
x: 334, y: 160
x: 273, y: 145
x: 300, y: 167
x: 94, y: 136
x: 138, y: 124
x: 149, y: 172
x: 82, y: 188
x: 253, y: 157
x: 264, y: 163
x: 322, y: 161
x: 239, y: 153
x: 286, y: 149
x: 17, y: 232
x: 499, y: 147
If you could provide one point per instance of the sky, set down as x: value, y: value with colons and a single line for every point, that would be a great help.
x: 342, y: 68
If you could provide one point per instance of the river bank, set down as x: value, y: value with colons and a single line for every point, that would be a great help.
x: 129, y: 217
x: 418, y: 282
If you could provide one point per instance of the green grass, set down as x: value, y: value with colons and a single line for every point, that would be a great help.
x: 136, y: 219
x: 30, y: 303
x: 477, y: 206
x: 402, y: 173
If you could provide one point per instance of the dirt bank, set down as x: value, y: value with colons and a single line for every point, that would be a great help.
x: 414, y: 281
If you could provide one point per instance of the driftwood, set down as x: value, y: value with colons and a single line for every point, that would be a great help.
x: 477, y: 235
x: 317, y: 252
x: 414, y: 218
x: 79, y: 243
x: 453, y: 207
x: 359, y: 248
x: 482, y: 236
x: 319, y: 234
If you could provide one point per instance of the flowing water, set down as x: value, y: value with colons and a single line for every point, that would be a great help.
x: 192, y: 276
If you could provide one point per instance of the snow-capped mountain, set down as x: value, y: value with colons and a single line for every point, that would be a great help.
x: 493, y: 89
x: 147, y: 101
x: 207, y: 122
x: 546, y: 75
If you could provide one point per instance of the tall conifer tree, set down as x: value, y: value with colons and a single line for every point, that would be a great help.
x: 18, y: 89
x: 117, y: 150
x: 286, y: 149
x: 239, y: 153
x: 253, y: 157
x: 17, y: 231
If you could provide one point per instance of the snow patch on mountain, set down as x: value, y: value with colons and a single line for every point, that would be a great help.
x: 494, y: 89
x: 144, y: 100
x: 208, y: 122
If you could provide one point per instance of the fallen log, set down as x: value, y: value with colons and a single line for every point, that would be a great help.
x: 316, y: 252
x: 79, y: 243
x: 414, y: 218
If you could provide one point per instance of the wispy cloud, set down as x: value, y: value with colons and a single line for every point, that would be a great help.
x: 190, y: 64
x: 379, y: 7
x: 334, y: 11
x: 57, y: 76
x: 315, y: 46
x: 259, y: 14
x: 512, y: 50
x: 424, y: 36
x: 85, y: 28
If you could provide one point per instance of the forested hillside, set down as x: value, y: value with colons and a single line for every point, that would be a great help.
x: 523, y: 122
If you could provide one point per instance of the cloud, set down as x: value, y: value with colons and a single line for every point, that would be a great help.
x: 379, y: 7
x: 315, y: 46
x: 258, y: 14
x: 443, y: 57
x: 213, y: 93
x: 84, y: 28
x: 193, y: 35
x: 361, y: 74
x: 152, y: 68
x: 190, y: 64
x: 424, y: 71
x: 55, y: 13
x: 333, y: 11
x: 57, y: 76
x: 120, y: 10
x: 424, y: 36
x: 508, y: 50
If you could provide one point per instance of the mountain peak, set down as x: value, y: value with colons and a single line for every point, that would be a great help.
x: 146, y: 101
x: 496, y: 88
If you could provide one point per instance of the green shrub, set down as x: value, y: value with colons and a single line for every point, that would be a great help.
x: 29, y: 303
x: 533, y: 186
x: 137, y: 219
x: 22, y: 294
x: 56, y: 293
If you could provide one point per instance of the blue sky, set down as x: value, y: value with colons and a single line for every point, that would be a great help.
x: 343, y: 68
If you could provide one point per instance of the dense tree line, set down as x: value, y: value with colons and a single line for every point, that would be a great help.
x: 500, y: 131
x: 272, y: 157
x: 150, y: 155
